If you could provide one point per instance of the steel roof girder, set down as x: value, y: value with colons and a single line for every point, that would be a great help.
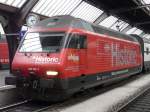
x: 101, y: 18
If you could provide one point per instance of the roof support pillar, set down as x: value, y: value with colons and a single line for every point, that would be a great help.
x: 101, y: 18
x: 24, y: 11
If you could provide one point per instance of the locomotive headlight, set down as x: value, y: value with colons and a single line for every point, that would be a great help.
x: 51, y: 73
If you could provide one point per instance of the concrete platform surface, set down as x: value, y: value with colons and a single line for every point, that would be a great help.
x: 3, y: 74
x: 8, y: 93
x: 111, y: 100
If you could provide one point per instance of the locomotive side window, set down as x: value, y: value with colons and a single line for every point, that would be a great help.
x: 83, y: 41
x: 77, y: 41
x: 73, y: 41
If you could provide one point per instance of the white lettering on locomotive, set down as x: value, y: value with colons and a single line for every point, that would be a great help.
x: 46, y: 59
x: 4, y: 60
x: 122, y: 56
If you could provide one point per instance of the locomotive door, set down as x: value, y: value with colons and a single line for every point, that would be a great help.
x: 82, y: 48
x: 78, y: 58
x: 78, y: 55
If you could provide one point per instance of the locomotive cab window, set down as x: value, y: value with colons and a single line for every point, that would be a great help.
x: 42, y: 42
x: 77, y: 41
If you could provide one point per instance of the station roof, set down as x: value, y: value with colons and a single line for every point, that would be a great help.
x: 128, y: 16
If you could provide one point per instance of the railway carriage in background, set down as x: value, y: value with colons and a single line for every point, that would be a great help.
x: 145, y: 48
x: 146, y: 54
x: 62, y: 55
x: 4, y: 54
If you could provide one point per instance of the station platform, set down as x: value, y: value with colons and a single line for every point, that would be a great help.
x: 108, y: 101
x: 112, y: 100
x: 3, y: 74
x: 8, y: 93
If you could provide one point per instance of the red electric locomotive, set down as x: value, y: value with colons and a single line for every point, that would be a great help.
x: 63, y: 55
x: 4, y: 55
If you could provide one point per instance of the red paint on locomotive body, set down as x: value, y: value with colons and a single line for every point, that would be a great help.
x: 112, y: 54
x: 103, y: 53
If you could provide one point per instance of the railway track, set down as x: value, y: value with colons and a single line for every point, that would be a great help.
x: 140, y: 103
x: 14, y: 104
x: 26, y: 106
x: 30, y: 106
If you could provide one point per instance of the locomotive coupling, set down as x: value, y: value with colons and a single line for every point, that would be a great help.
x: 42, y: 83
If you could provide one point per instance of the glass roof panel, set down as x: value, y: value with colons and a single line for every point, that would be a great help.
x: 137, y: 31
x: 9, y: 2
x: 21, y: 3
x: 15, y: 3
x: 147, y: 36
x: 55, y: 7
x: 146, y: 2
x: 87, y: 12
x: 119, y: 25
x: 36, y: 8
x: 109, y: 21
x: 3, y: 1
x: 130, y: 31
